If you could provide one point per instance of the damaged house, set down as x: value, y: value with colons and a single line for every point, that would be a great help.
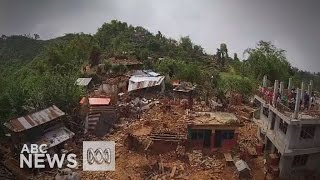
x: 42, y: 127
x: 289, y: 126
x: 184, y: 90
x: 113, y: 86
x: 145, y: 79
x: 212, y: 130
x: 133, y: 81
x: 100, y: 115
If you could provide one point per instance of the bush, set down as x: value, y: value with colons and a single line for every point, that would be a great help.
x: 236, y: 83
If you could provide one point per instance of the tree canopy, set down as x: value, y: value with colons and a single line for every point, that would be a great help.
x: 266, y: 59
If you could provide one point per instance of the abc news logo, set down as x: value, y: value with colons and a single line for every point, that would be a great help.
x: 98, y: 155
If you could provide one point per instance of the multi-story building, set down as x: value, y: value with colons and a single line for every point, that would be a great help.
x: 289, y: 126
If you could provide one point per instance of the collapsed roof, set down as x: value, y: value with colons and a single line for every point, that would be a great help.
x: 144, y: 79
x: 35, y: 119
x: 55, y: 137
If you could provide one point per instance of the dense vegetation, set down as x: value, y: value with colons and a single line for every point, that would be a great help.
x: 37, y: 73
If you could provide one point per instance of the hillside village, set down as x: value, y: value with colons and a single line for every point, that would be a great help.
x: 174, y: 112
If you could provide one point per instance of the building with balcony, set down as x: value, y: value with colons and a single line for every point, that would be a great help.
x: 289, y: 126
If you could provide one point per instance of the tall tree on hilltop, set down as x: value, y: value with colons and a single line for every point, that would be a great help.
x: 235, y: 57
x: 224, y: 50
x: 267, y: 59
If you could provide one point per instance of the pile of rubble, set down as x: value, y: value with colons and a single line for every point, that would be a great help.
x: 5, y: 173
x: 136, y: 106
x: 133, y: 136
x: 247, y: 137
x: 165, y: 171
x: 197, y: 159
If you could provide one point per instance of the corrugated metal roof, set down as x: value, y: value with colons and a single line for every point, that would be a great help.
x: 138, y: 82
x: 55, y: 137
x: 99, y: 101
x: 144, y: 78
x: 83, y: 81
x: 34, y: 119
x: 151, y: 73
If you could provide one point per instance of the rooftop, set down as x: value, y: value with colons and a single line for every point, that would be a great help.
x: 213, y: 118
x: 287, y: 105
x: 83, y: 81
x: 143, y: 73
x: 144, y: 79
x: 99, y: 101
x: 34, y: 119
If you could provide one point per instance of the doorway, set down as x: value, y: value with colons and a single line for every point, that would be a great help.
x: 207, y: 139
x: 218, y: 137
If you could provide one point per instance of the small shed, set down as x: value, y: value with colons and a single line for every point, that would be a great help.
x: 101, y: 115
x: 243, y: 169
x: 212, y: 130
x: 41, y: 127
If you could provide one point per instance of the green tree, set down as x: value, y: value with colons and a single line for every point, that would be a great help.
x: 224, y: 50
x: 235, y: 57
x: 266, y: 59
x: 36, y: 36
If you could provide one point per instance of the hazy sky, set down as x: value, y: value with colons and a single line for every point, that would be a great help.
x: 293, y: 25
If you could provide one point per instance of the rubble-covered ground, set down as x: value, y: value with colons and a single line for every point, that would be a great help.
x: 179, y: 163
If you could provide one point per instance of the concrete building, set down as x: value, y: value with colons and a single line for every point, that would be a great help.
x: 290, y: 130
x: 213, y: 131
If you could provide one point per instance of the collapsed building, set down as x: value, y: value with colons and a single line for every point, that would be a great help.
x: 212, y: 130
x: 100, y: 116
x: 42, y: 127
x: 133, y: 81
x: 143, y: 79
x: 113, y: 86
x: 184, y: 90
x: 289, y: 128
